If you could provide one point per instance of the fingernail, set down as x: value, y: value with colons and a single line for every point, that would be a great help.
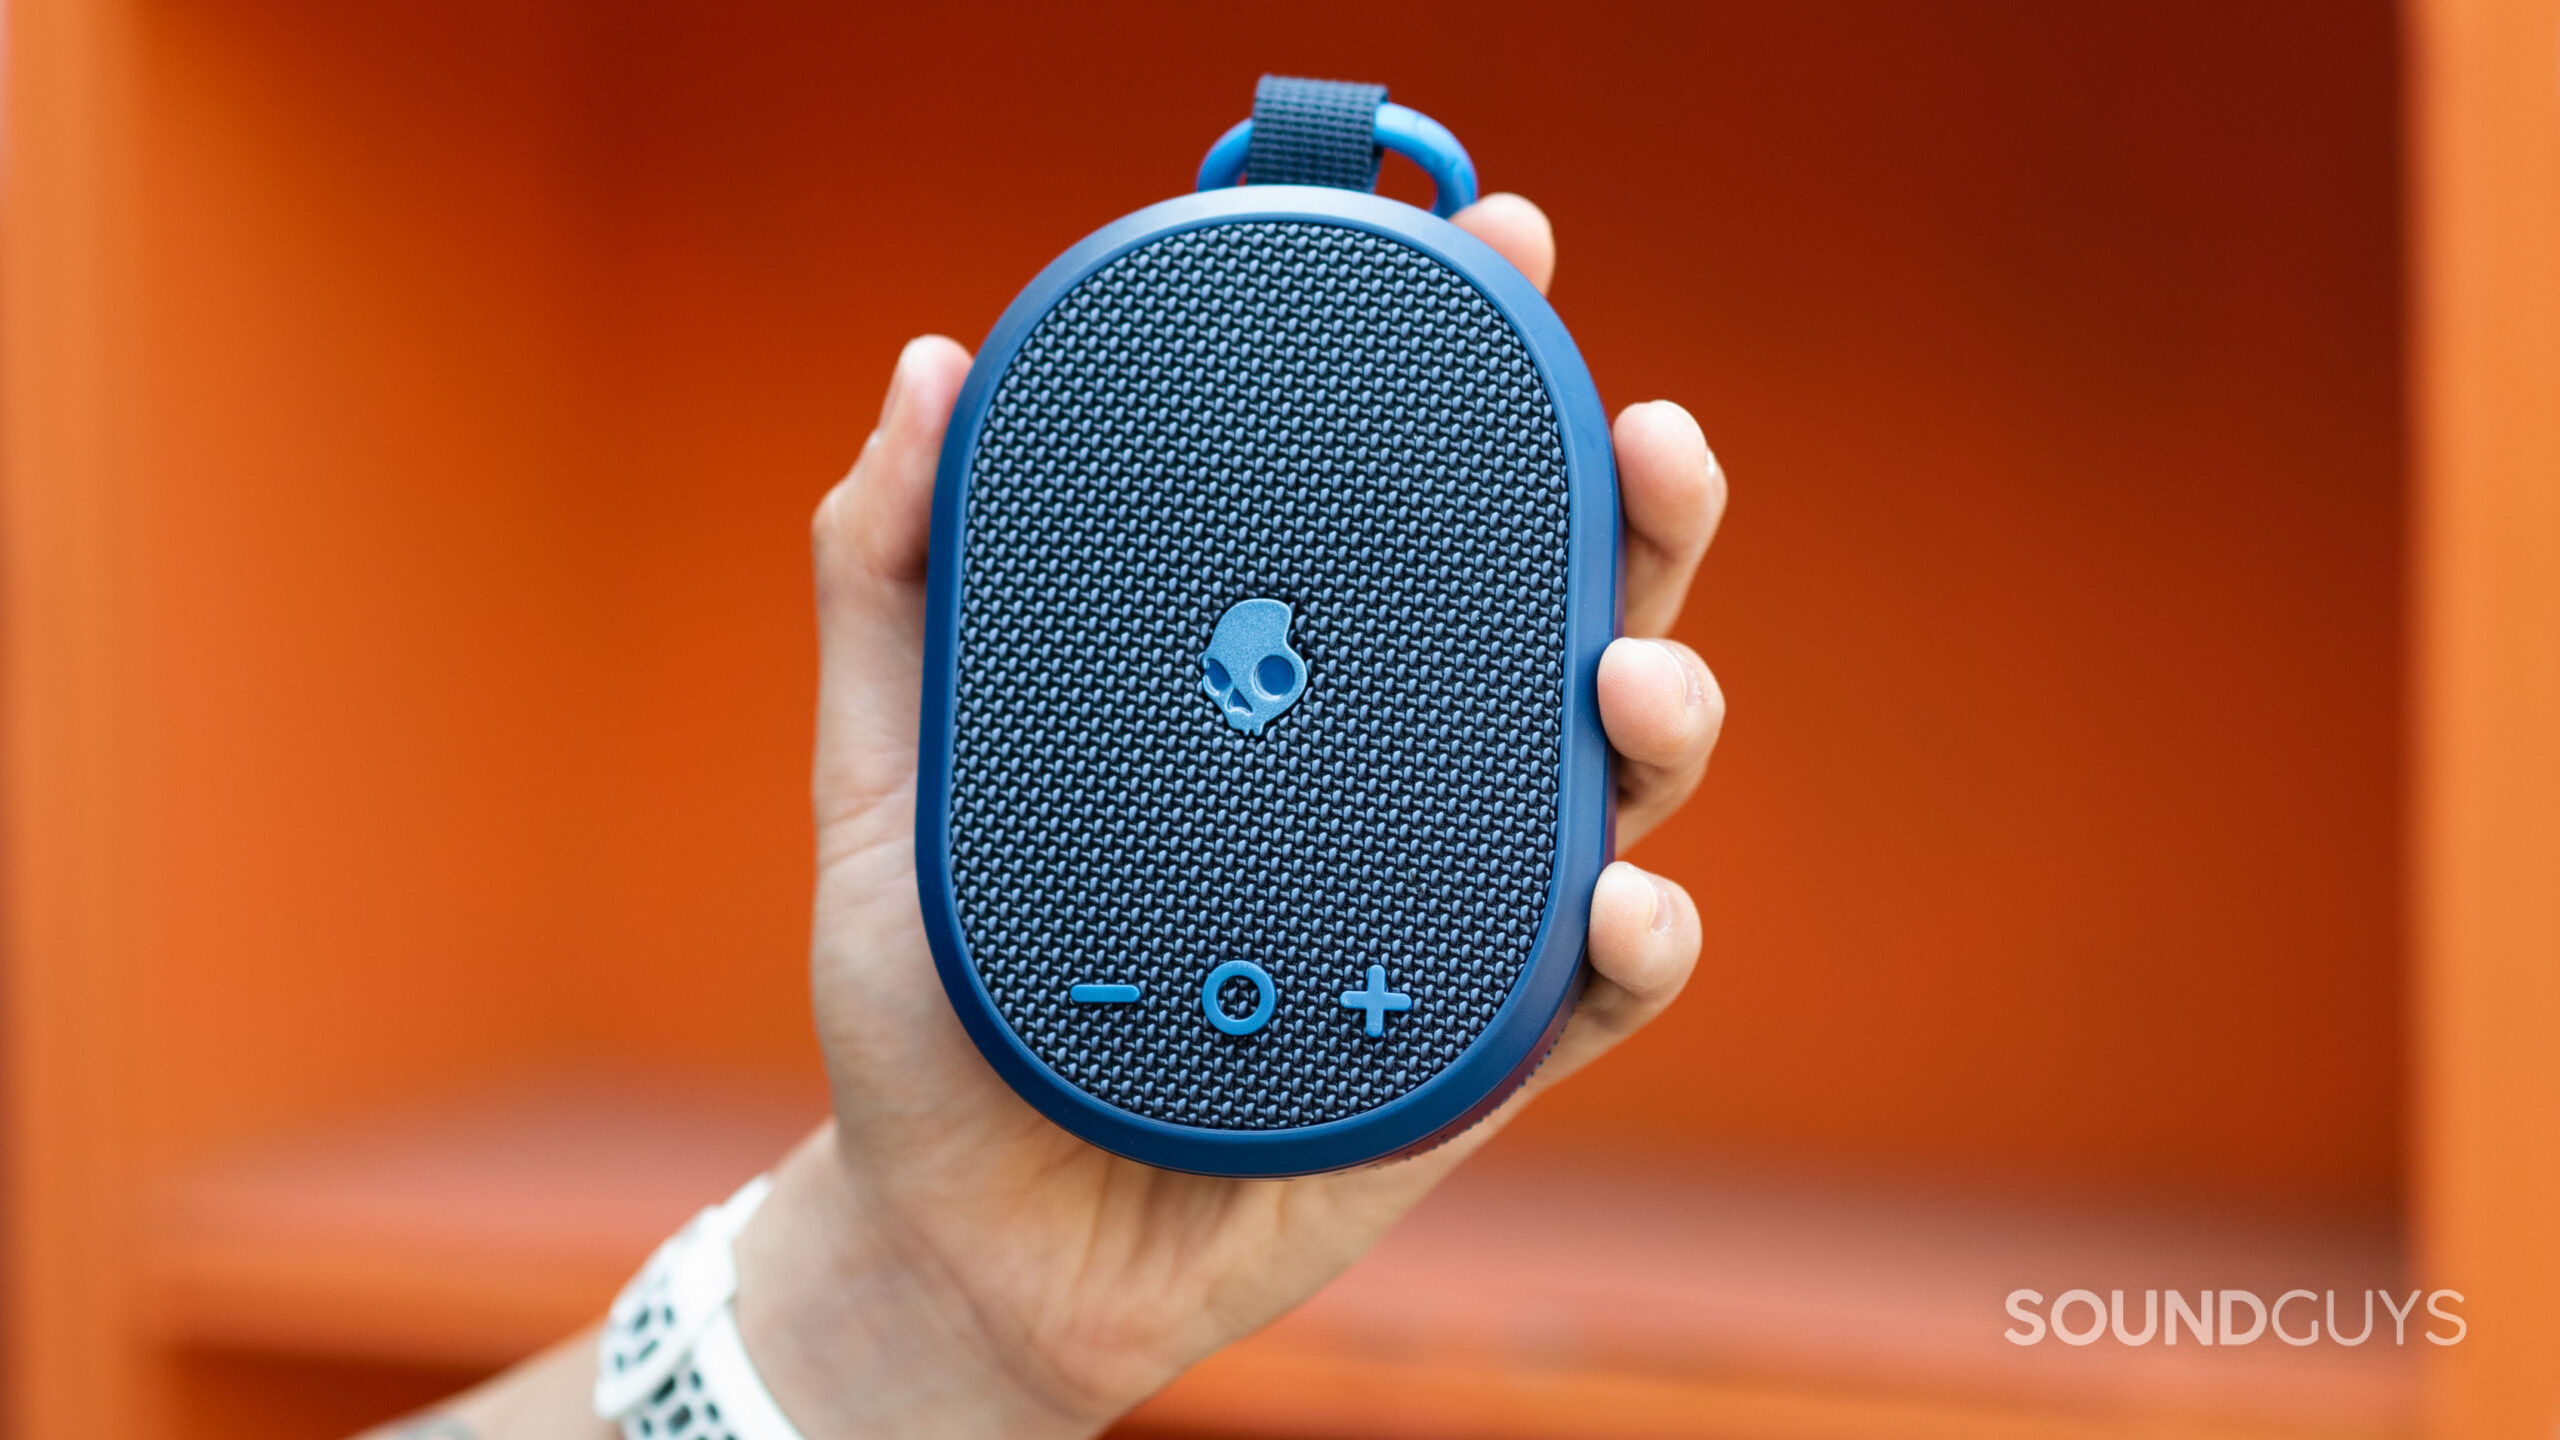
x: 1693, y: 686
x: 897, y: 392
x: 1666, y: 905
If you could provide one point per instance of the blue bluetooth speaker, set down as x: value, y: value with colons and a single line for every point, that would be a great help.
x: 1261, y: 782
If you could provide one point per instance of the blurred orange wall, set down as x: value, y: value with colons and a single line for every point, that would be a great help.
x: 498, y: 356
x: 2485, y: 219
x: 470, y: 372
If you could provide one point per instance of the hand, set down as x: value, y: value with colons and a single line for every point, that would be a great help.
x: 941, y: 1259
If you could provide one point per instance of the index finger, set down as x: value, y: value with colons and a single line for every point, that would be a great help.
x: 1517, y: 229
x: 1672, y: 493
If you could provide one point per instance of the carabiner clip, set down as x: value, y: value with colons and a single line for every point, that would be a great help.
x: 1410, y: 133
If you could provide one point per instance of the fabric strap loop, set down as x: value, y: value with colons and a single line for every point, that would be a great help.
x: 1314, y: 132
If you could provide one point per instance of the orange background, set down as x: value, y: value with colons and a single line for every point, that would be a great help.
x: 458, y: 381
x: 498, y: 360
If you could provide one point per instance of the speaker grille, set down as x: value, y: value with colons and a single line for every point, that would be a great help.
x: 1291, y: 411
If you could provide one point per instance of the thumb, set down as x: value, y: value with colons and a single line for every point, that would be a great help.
x: 869, y: 540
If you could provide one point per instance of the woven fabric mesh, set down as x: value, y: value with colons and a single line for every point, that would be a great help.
x: 1294, y: 411
x: 1314, y: 132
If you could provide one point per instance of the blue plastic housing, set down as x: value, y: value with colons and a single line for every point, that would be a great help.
x: 1522, y: 1030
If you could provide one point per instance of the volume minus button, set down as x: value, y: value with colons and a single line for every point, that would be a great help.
x: 1103, y: 994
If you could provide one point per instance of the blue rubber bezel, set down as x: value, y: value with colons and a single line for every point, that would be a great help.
x: 1527, y: 1022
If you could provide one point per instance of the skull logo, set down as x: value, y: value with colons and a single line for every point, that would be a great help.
x: 1250, y: 671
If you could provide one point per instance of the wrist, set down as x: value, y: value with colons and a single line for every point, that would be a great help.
x: 854, y: 1332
